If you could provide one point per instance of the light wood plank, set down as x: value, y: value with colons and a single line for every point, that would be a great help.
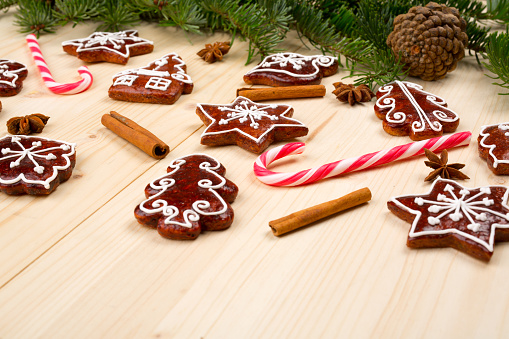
x: 348, y: 276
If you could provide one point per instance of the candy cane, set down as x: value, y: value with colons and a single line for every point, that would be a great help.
x: 347, y: 165
x: 55, y: 87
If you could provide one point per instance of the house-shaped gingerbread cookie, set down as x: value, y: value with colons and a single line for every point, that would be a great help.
x: 160, y: 82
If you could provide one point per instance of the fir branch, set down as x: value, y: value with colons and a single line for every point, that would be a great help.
x: 323, y: 35
x: 115, y: 15
x: 35, y: 16
x: 185, y: 14
x: 477, y: 38
x: 250, y: 20
x: 5, y: 4
x: 378, y: 67
x: 497, y: 52
x: 77, y: 10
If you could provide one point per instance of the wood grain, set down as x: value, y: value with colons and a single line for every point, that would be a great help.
x: 77, y: 265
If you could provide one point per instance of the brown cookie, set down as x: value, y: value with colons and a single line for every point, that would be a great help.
x: 450, y: 215
x: 12, y: 74
x: 191, y: 198
x: 34, y: 165
x: 408, y: 110
x: 110, y: 47
x: 248, y: 124
x: 493, y: 145
x: 160, y: 82
x: 291, y: 69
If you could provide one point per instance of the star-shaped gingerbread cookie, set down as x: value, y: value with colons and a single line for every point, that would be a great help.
x: 450, y: 215
x: 248, y: 124
x: 110, y: 47
x: 12, y: 74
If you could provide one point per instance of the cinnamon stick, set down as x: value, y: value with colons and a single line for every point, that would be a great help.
x: 135, y: 134
x: 304, y: 217
x: 290, y: 92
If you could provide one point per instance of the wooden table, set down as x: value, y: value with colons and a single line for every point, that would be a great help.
x: 76, y: 264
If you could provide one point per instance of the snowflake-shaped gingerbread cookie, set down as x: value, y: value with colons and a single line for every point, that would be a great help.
x: 248, y: 124
x: 450, y: 215
x: 34, y: 165
x: 493, y: 145
x: 12, y: 74
x: 110, y: 47
x: 160, y: 82
x: 192, y: 197
x: 291, y: 69
x: 408, y: 110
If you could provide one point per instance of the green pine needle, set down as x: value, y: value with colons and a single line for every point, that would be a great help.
x: 115, y: 15
x: 497, y: 52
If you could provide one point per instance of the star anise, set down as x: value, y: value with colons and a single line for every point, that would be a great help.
x: 351, y: 94
x: 214, y: 52
x: 33, y: 123
x: 441, y: 168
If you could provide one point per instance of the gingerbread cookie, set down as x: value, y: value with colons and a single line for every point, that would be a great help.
x: 34, y: 165
x: 408, y: 110
x: 291, y: 69
x: 160, y: 82
x: 450, y: 215
x: 110, y: 47
x: 12, y: 74
x: 248, y: 124
x: 191, y: 198
x: 493, y: 143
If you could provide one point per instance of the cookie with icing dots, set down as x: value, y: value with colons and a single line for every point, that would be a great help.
x: 493, y: 146
x: 470, y: 220
x: 34, y: 165
x: 250, y: 125
x: 194, y: 196
x: 406, y: 109
x: 110, y: 47
x: 292, y: 69
x: 12, y: 74
x: 161, y: 82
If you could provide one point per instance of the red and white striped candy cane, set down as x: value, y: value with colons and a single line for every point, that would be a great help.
x: 347, y: 165
x: 55, y: 87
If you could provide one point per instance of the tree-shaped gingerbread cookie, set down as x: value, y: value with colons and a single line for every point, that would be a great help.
x: 192, y: 197
x: 408, y: 110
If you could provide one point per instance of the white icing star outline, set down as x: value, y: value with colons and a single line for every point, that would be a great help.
x: 179, y: 75
x: 98, y: 40
x: 460, y: 208
x: 198, y: 206
x: 251, y: 111
x: 32, y: 154
x: 504, y: 127
x: 296, y: 60
x: 244, y: 112
x: 400, y: 117
x: 5, y: 73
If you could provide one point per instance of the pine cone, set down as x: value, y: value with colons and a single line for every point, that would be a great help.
x: 431, y: 40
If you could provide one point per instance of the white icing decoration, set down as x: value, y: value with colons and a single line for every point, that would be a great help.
x: 297, y: 61
x: 32, y: 154
x: 157, y: 78
x: 161, y: 84
x: 504, y: 127
x: 246, y: 113
x: 7, y: 76
x: 198, y: 207
x: 456, y: 208
x: 126, y: 80
x: 98, y: 40
x: 400, y: 117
